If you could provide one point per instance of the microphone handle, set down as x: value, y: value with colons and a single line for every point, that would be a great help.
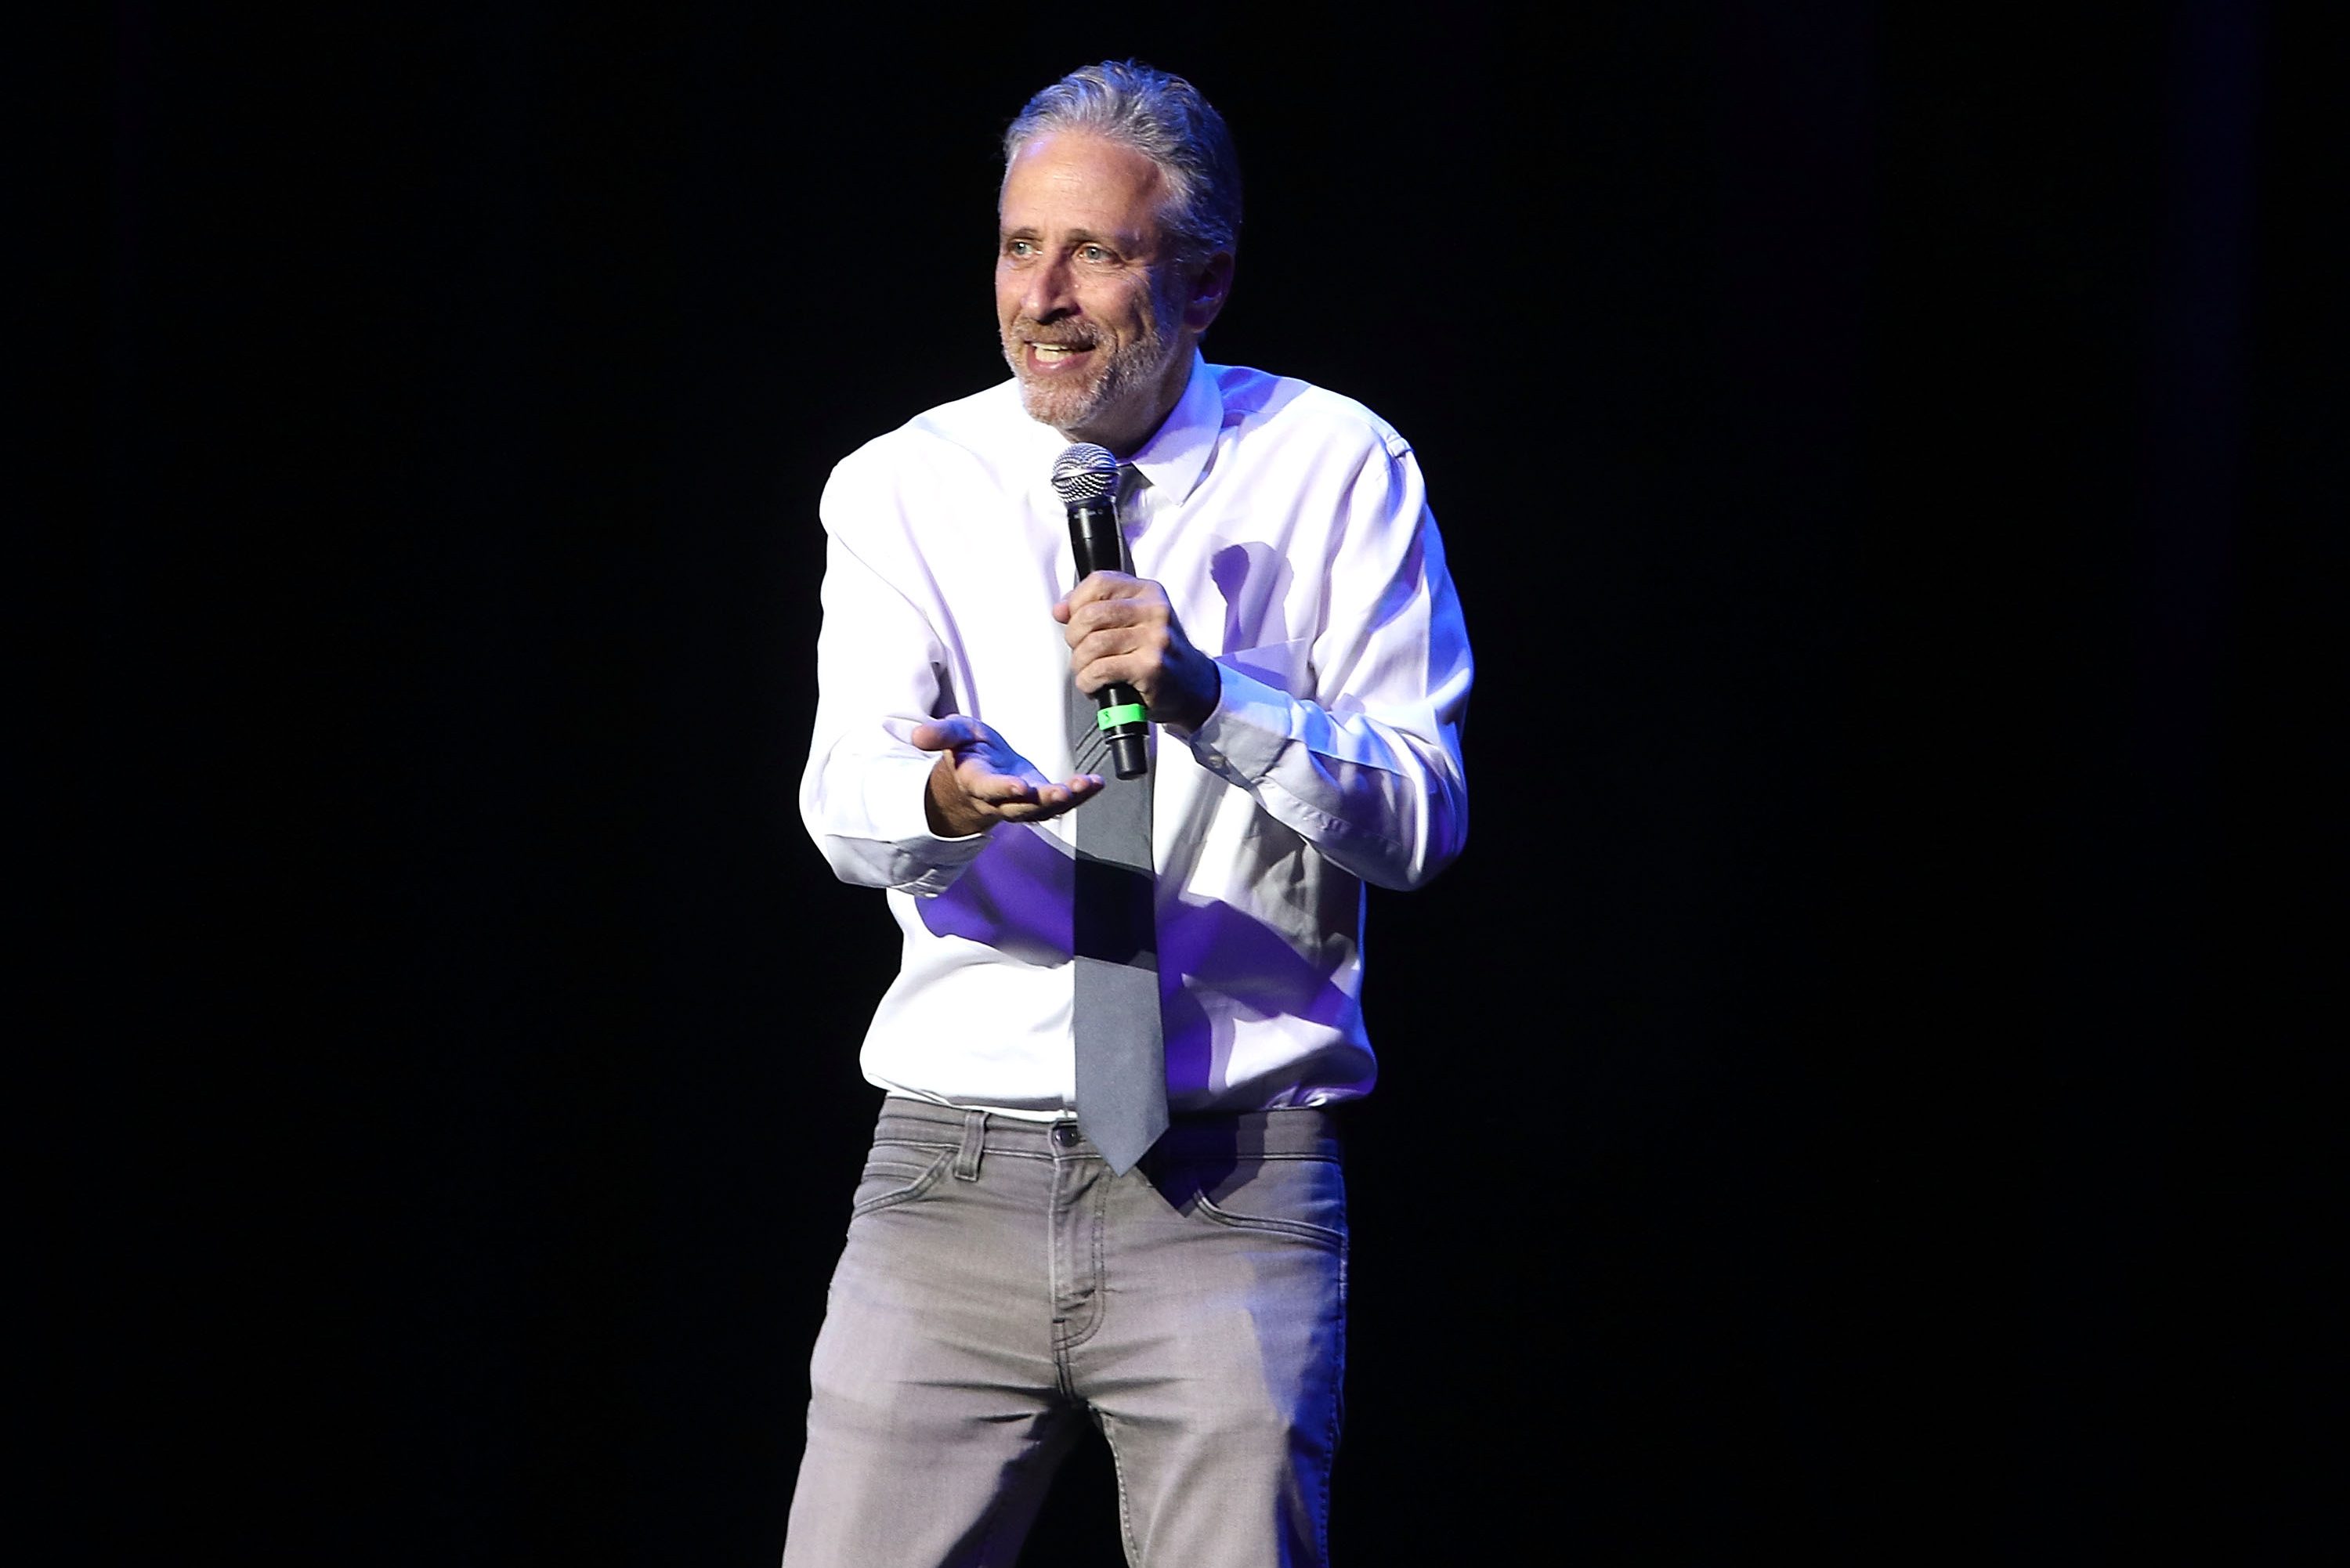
x: 1099, y: 547
x: 1126, y: 747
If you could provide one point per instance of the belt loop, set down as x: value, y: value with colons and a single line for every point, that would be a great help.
x: 975, y: 1137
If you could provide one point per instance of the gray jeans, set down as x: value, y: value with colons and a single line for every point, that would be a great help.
x: 1000, y: 1285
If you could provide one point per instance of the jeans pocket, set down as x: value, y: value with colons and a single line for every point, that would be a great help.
x: 895, y: 1176
x: 1302, y: 1199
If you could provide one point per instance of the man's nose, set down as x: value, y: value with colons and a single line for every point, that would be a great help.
x: 1050, y: 294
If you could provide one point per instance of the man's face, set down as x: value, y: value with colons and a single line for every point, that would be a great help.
x: 1088, y: 295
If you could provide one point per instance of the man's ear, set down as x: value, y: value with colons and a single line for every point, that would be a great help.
x: 1212, y: 284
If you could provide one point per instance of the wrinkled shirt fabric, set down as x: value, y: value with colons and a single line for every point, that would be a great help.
x: 1290, y: 530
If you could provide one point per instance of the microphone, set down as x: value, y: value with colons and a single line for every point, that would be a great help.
x: 1086, y: 476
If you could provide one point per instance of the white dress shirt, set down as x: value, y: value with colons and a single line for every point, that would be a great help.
x: 1288, y: 527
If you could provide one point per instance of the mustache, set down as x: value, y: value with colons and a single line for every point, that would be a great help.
x: 1031, y: 331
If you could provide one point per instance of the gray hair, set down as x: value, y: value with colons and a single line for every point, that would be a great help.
x: 1163, y: 118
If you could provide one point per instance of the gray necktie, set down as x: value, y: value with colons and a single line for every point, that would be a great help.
x: 1121, y: 1056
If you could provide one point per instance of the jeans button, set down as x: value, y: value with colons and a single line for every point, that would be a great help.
x: 1065, y: 1134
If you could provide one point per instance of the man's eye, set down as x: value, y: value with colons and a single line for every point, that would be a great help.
x: 1092, y: 253
x: 1019, y: 249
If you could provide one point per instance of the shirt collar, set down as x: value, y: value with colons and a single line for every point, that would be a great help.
x: 1173, y: 459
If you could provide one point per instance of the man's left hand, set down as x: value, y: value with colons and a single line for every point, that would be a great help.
x: 1121, y: 628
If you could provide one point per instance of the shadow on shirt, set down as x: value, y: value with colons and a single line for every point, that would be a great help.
x: 1219, y: 967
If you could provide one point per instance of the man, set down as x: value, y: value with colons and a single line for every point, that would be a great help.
x: 1016, y: 1263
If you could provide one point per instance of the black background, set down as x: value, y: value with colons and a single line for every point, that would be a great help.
x: 1860, y: 1093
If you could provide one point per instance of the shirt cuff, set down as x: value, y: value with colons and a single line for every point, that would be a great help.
x: 1252, y: 724
x: 919, y: 861
x: 931, y: 865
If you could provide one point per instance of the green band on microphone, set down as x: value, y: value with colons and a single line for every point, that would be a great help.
x: 1124, y: 714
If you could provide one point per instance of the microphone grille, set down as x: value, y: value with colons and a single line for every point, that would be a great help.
x: 1084, y: 472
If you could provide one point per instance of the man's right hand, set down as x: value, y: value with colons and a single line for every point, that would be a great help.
x: 980, y: 780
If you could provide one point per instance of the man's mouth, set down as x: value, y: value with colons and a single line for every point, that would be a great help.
x: 1052, y: 356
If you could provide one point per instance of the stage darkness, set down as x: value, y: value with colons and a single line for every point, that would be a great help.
x: 1856, y: 1097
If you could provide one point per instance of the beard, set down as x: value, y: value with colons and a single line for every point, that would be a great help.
x: 1130, y: 371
